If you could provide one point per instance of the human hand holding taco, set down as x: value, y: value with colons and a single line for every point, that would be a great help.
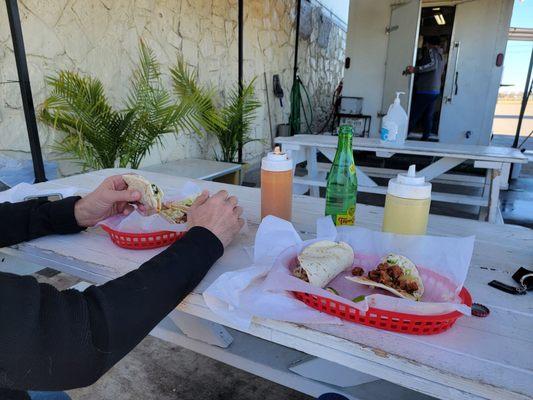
x: 113, y: 196
x: 151, y: 194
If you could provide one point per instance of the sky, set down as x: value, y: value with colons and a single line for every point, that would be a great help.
x: 517, y: 55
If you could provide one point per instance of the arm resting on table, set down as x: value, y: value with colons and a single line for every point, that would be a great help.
x: 35, y: 218
x: 52, y: 340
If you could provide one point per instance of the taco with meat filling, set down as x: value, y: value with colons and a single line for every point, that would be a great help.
x: 396, y: 274
x: 152, y: 196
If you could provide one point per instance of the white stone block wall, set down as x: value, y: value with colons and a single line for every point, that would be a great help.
x: 100, y: 38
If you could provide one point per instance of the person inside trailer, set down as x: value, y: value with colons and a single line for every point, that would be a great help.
x: 427, y: 86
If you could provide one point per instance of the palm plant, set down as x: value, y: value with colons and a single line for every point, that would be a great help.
x: 230, y: 123
x: 103, y: 137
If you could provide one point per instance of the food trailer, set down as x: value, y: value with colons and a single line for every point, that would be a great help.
x: 386, y: 36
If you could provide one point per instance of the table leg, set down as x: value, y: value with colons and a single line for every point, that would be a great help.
x: 494, y: 198
x: 329, y: 372
x: 312, y: 169
x: 201, y: 329
x: 483, y: 211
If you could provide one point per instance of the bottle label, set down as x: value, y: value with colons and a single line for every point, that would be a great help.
x: 345, y: 220
x: 388, y: 133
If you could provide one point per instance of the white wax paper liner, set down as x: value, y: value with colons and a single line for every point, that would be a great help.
x: 442, y: 261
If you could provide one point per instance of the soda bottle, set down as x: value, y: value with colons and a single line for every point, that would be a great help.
x: 341, y: 190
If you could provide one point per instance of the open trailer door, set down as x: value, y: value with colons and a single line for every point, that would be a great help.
x: 473, y: 76
x: 401, y: 52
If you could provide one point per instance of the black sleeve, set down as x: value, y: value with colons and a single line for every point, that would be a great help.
x: 51, y: 340
x: 35, y: 218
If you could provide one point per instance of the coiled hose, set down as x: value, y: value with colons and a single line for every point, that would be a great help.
x: 297, y: 105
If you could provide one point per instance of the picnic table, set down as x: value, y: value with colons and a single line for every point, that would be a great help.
x: 446, y: 156
x: 490, y: 358
x: 199, y: 169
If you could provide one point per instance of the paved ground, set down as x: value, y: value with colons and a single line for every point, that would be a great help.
x: 157, y: 370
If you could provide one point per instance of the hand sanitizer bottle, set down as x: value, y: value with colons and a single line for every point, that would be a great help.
x: 407, y: 204
x: 394, y: 124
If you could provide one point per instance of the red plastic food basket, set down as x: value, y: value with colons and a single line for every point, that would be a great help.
x: 388, y: 320
x: 142, y: 241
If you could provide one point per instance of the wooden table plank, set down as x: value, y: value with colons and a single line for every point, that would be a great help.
x: 432, y: 149
x: 478, y: 358
x: 195, y: 168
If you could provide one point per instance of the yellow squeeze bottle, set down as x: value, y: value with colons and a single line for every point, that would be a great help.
x: 407, y: 204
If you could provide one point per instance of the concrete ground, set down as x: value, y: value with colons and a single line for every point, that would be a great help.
x: 158, y: 370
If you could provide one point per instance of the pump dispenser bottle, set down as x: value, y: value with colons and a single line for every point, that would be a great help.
x: 394, y: 124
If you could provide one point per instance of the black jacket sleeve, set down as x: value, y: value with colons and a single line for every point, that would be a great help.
x: 52, y: 340
x: 35, y: 218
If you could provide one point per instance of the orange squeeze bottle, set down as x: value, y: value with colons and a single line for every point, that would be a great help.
x: 276, y: 185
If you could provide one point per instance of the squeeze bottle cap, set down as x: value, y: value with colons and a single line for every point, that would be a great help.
x: 276, y: 161
x: 410, y: 186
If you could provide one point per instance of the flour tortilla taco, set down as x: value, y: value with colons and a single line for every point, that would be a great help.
x: 396, y: 274
x: 322, y: 261
x: 152, y: 196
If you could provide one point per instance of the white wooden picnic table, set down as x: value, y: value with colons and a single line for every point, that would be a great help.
x: 195, y: 168
x: 490, y: 358
x: 493, y: 159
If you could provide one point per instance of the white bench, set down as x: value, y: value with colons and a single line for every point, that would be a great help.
x: 194, y: 168
x: 446, y: 156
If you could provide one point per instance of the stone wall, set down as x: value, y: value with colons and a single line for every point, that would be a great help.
x: 100, y: 38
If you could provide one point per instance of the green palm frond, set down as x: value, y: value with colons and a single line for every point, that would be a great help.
x: 228, y: 124
x: 238, y: 116
x: 78, y: 106
x: 101, y: 136
x: 202, y: 109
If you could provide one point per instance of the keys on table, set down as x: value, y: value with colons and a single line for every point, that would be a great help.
x: 523, y: 277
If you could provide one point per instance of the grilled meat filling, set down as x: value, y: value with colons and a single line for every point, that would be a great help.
x: 391, y: 275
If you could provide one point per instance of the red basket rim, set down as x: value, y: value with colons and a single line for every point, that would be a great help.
x: 139, y: 235
x: 464, y: 294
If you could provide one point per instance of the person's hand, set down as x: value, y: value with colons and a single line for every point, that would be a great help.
x: 218, y: 213
x: 110, y: 198
x: 410, y: 69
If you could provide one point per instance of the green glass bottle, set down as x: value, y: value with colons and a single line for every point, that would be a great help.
x: 341, y: 191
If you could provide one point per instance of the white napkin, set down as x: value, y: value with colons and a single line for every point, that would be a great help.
x: 237, y: 296
x: 22, y: 190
